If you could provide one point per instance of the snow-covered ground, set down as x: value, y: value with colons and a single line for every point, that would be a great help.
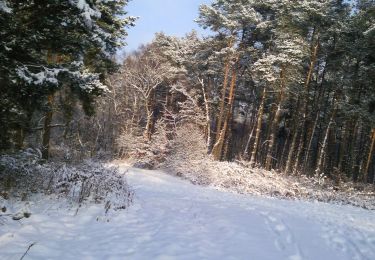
x: 173, y: 219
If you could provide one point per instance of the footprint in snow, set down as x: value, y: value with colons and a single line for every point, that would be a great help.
x: 283, y: 237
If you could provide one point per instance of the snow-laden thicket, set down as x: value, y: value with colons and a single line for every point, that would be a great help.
x: 186, y: 156
x: 143, y: 153
x: 24, y: 175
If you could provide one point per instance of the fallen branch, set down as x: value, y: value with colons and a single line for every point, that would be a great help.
x: 32, y: 244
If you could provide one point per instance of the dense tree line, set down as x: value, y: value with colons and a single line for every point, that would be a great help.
x: 284, y: 85
x: 287, y: 85
x: 52, y: 55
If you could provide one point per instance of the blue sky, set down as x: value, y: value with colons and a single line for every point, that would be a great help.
x: 173, y: 17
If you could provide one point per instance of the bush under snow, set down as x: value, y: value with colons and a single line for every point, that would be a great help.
x: 24, y: 175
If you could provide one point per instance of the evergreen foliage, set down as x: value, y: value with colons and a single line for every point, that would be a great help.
x: 49, y: 45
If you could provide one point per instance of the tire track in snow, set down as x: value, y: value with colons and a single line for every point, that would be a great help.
x: 343, y: 239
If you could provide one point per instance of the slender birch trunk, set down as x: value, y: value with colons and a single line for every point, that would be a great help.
x: 208, y: 117
x: 246, y: 151
x: 322, y: 155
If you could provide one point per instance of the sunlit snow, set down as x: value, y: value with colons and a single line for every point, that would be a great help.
x: 173, y: 219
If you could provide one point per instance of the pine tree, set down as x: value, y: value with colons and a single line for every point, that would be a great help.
x: 235, y: 22
x: 53, y: 44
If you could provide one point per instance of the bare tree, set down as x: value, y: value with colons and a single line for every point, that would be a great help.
x: 144, y: 73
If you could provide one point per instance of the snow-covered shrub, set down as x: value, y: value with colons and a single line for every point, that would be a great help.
x: 131, y: 145
x: 24, y: 174
x: 93, y: 182
x: 145, y: 153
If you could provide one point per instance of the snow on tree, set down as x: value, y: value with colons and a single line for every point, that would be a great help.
x: 50, y: 45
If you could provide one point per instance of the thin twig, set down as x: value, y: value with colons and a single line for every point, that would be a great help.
x: 32, y: 244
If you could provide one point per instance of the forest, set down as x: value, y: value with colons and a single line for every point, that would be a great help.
x: 283, y: 85
x: 278, y: 99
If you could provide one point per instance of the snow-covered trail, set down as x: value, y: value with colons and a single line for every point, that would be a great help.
x: 173, y: 219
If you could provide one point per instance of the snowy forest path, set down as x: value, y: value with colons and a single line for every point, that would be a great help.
x: 173, y: 219
x: 215, y: 224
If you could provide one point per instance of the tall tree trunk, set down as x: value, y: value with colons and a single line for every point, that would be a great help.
x: 223, y: 95
x: 311, y: 138
x: 282, y: 152
x: 275, y: 123
x: 297, y: 136
x: 313, y: 59
x: 228, y: 140
x: 150, y: 118
x: 217, y: 150
x: 299, y: 151
x: 344, y: 147
x: 133, y: 121
x: 305, y: 101
x: 259, y: 129
x: 319, y: 168
x: 208, y: 114
x: 47, y: 128
x: 312, y: 130
x: 294, y: 139
x: 352, y: 146
x: 370, y: 155
x: 247, y: 147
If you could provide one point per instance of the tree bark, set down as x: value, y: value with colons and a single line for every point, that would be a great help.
x: 258, y: 130
x: 47, y: 128
x: 303, y: 122
x: 133, y: 121
x: 246, y: 151
x: 275, y: 123
x: 319, y: 168
x: 217, y: 150
x: 294, y: 136
x: 223, y: 95
x: 344, y: 146
x: 297, y: 135
x: 150, y: 115
x: 370, y: 154
x: 208, y: 115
